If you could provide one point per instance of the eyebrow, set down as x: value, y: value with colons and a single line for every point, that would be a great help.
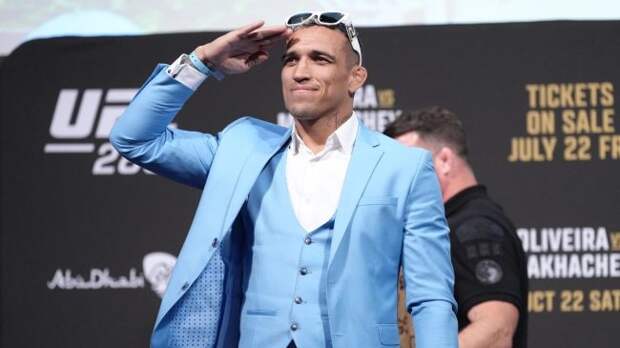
x: 313, y: 54
x: 317, y: 53
x: 288, y: 55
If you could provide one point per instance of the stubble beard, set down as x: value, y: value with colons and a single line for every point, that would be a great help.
x: 304, y: 113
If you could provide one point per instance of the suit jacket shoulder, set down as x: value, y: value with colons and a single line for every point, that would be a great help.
x: 403, y: 158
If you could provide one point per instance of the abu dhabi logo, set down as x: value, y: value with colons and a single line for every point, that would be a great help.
x: 97, y: 279
x: 156, y: 269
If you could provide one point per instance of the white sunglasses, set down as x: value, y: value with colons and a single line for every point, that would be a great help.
x: 328, y: 19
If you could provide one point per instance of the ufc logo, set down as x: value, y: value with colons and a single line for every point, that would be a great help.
x: 76, y: 113
x: 80, y: 115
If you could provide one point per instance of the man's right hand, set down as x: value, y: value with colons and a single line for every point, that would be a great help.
x: 239, y: 50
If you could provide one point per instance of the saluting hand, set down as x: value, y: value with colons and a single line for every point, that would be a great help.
x: 239, y: 50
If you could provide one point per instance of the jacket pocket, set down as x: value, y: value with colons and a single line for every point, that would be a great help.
x: 388, y: 334
x: 263, y: 312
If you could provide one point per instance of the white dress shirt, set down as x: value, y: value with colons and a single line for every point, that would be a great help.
x: 314, y: 181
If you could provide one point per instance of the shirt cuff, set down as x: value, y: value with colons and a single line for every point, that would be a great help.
x: 183, y: 71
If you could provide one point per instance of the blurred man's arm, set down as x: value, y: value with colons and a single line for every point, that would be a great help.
x: 492, y: 325
x: 488, y: 286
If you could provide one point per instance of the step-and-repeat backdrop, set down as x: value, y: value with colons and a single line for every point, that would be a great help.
x: 89, y: 240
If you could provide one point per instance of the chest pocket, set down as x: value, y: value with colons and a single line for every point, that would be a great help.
x: 378, y: 200
x: 375, y: 214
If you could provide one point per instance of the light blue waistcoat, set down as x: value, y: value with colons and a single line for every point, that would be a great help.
x: 291, y: 304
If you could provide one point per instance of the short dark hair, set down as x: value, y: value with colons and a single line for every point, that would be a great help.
x: 433, y: 124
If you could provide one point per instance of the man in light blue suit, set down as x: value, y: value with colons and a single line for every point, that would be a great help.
x: 300, y: 233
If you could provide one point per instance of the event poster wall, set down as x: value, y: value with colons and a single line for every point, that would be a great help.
x: 88, y: 239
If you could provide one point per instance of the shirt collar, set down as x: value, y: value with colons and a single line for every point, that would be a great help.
x: 342, y: 138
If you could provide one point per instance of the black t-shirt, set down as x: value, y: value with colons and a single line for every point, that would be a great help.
x: 488, y: 258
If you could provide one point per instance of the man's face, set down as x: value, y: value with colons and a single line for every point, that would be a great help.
x: 316, y: 73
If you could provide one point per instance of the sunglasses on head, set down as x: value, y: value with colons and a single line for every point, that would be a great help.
x: 328, y: 19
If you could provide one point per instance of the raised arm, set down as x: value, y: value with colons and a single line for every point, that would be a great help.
x: 142, y: 134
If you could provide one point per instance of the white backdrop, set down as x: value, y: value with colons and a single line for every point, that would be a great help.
x: 21, y: 20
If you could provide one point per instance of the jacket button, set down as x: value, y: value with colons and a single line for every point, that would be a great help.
x: 214, y: 243
x: 298, y: 300
x: 303, y: 271
x: 294, y: 326
x: 308, y: 240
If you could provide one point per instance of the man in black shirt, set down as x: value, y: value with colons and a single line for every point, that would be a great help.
x: 489, y: 263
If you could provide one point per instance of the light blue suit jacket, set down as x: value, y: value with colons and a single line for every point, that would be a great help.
x: 390, y: 214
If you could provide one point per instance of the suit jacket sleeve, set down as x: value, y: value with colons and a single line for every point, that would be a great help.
x: 429, y: 276
x: 142, y: 134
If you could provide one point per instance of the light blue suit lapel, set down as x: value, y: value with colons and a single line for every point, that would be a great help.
x: 249, y: 173
x: 364, y: 159
x: 247, y: 167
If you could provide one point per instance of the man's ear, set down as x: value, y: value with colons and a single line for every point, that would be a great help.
x: 444, y: 160
x: 357, y: 78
